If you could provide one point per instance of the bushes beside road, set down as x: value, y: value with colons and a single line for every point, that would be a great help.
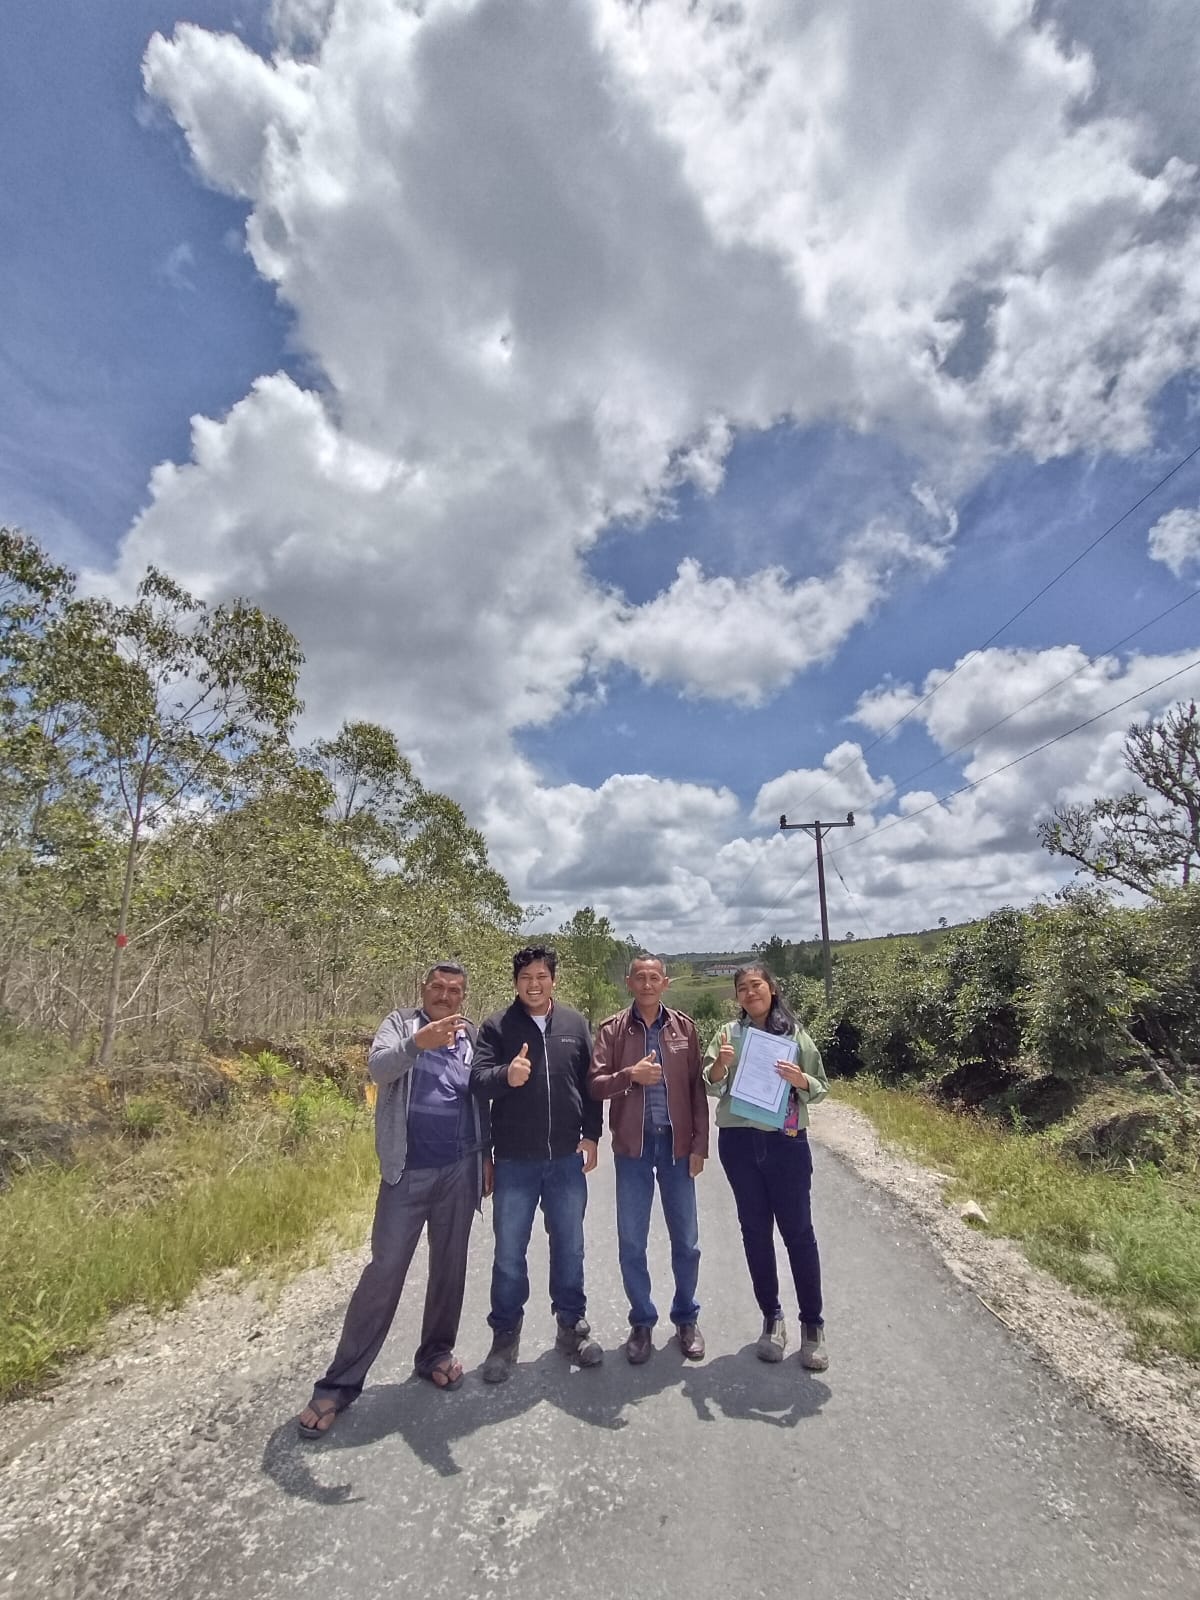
x: 1049, y: 1062
x: 1026, y: 1013
x: 129, y: 1188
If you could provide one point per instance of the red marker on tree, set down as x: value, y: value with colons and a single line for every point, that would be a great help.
x: 122, y: 940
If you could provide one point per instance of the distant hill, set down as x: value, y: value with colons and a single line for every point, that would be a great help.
x: 702, y: 959
x: 708, y: 957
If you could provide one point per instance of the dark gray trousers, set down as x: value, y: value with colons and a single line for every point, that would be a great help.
x: 444, y: 1200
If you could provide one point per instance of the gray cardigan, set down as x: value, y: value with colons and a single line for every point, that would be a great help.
x: 390, y: 1062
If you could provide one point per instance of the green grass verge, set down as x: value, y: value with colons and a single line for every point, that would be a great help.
x: 142, y: 1226
x: 1129, y: 1236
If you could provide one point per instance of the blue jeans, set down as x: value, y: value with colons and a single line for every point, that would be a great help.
x: 560, y: 1186
x: 635, y: 1195
x: 771, y: 1179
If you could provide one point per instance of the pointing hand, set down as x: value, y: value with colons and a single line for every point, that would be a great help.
x: 438, y: 1035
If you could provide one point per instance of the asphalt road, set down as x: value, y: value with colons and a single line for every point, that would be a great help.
x: 934, y: 1460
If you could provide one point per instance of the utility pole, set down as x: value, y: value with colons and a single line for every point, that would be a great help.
x: 817, y: 831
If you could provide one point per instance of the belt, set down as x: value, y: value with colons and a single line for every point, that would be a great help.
x: 659, y: 1127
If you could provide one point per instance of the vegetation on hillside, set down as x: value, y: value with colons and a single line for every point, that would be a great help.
x: 171, y: 862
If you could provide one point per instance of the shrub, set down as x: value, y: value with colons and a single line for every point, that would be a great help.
x: 1078, y: 1007
x: 143, y: 1116
x: 270, y: 1070
x: 985, y: 969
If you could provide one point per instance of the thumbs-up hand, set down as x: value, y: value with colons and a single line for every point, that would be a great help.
x: 646, y: 1071
x: 519, y: 1068
x: 723, y: 1062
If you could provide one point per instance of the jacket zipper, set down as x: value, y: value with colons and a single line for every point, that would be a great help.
x: 545, y: 1037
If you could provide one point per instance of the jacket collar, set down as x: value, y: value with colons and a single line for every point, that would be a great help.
x: 635, y: 1017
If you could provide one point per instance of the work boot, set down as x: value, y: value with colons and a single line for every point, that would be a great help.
x: 502, y: 1357
x: 574, y: 1339
x: 772, y: 1341
x: 813, y: 1354
x: 639, y: 1346
x: 691, y: 1341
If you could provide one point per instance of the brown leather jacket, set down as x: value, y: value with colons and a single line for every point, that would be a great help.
x: 619, y: 1045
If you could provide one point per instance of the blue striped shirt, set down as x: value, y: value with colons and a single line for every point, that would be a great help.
x: 657, y: 1115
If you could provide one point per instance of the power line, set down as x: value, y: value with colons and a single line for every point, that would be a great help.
x: 982, y: 733
x: 747, y: 875
x: 979, y: 649
x: 851, y: 896
x: 1041, y: 695
x: 772, y: 909
x: 897, y: 822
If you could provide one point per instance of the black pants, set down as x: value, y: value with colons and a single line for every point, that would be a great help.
x: 771, y: 1178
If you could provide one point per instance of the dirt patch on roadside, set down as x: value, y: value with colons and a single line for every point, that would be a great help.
x: 1084, y: 1342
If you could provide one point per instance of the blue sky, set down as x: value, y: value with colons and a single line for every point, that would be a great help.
x: 695, y: 462
x: 126, y: 308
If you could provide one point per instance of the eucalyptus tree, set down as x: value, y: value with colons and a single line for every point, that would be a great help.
x: 180, y: 693
x: 594, y: 958
x: 43, y: 798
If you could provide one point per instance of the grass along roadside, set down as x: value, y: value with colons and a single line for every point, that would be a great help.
x: 143, y: 1227
x: 1129, y: 1236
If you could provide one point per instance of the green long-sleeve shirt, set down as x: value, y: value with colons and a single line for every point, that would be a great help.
x: 810, y: 1064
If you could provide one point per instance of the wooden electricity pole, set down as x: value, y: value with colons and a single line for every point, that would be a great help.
x: 817, y: 831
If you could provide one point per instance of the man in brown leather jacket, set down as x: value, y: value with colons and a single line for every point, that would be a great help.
x: 646, y: 1064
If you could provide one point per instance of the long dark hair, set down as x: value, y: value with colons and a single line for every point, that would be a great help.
x: 781, y: 1018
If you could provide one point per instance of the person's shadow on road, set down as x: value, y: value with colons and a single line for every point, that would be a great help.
x: 745, y: 1389
x: 431, y: 1423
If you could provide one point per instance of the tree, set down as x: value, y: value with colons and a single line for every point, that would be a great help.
x: 148, y: 786
x: 1129, y: 839
x: 594, y: 958
x: 180, y: 694
x: 774, y: 954
x: 44, y: 794
x: 371, y: 782
x: 709, y: 1011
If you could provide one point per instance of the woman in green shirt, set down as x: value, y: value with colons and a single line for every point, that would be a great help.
x: 770, y: 1169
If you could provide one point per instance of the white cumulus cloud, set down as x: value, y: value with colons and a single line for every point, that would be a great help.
x: 1175, y: 539
x: 546, y: 261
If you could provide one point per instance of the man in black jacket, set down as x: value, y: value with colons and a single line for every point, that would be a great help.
x: 531, y: 1062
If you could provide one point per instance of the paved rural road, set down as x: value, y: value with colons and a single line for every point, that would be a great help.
x: 935, y: 1459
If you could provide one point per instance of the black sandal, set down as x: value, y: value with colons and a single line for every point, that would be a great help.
x: 322, y: 1408
x: 443, y: 1365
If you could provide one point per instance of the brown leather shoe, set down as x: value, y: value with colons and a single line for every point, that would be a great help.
x: 639, y: 1346
x: 691, y: 1341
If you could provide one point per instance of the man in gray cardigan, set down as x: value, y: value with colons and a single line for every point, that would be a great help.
x: 432, y: 1138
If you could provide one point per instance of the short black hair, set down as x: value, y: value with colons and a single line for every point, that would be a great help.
x: 453, y: 968
x: 532, y: 953
x: 644, y: 955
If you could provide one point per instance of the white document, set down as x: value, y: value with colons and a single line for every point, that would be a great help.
x: 756, y: 1080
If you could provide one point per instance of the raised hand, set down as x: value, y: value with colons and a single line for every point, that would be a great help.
x: 646, y: 1071
x: 519, y: 1068
x: 439, y: 1035
x: 723, y: 1062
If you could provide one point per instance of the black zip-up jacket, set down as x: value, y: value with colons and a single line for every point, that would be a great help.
x: 552, y: 1110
